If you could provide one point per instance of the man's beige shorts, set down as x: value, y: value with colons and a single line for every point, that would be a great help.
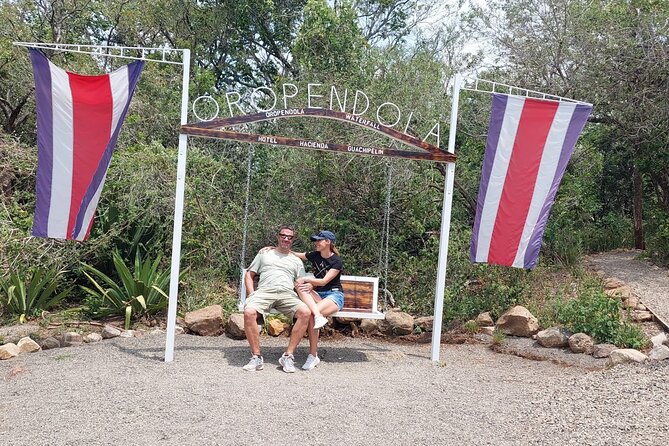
x: 282, y: 301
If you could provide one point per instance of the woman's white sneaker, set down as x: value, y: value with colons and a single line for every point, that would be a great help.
x: 319, y: 322
x: 311, y: 362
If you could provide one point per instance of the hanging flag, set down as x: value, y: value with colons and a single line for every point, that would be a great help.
x: 529, y: 144
x: 78, y: 121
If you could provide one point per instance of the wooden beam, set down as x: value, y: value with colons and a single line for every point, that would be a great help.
x: 214, y: 129
x: 444, y: 157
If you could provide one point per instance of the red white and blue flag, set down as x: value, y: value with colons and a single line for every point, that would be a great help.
x: 529, y: 144
x: 78, y: 121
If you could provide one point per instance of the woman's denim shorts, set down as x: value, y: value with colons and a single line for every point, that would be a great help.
x: 337, y: 296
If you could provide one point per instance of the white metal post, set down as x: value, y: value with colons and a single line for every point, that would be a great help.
x: 445, y: 225
x: 178, y: 215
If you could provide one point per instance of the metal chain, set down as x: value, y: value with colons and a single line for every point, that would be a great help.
x: 249, y: 162
x: 386, y: 232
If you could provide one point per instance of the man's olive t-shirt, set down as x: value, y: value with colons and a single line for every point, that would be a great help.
x: 277, y: 271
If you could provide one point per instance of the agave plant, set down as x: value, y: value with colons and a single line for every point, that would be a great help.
x: 28, y: 295
x: 142, y: 291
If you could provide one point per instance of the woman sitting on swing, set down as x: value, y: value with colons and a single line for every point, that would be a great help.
x: 322, y: 293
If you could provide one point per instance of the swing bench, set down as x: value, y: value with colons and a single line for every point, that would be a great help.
x: 361, y: 294
x: 361, y: 297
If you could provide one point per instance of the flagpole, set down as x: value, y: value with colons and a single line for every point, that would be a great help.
x: 178, y: 215
x: 445, y: 225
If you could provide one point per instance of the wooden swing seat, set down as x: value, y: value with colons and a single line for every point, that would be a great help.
x: 361, y: 297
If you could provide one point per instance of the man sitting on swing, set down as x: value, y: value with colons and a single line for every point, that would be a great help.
x: 278, y: 269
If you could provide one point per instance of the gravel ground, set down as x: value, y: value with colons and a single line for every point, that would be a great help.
x: 365, y: 392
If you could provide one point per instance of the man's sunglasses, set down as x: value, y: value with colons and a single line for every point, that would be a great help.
x: 286, y: 236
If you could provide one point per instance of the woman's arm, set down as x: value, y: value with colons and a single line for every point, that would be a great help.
x: 331, y: 274
x: 301, y: 255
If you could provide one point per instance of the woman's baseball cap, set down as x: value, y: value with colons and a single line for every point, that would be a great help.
x: 324, y: 235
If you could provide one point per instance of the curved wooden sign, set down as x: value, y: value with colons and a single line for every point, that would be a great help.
x: 215, y: 129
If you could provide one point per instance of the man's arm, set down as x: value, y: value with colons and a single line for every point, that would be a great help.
x: 248, y: 281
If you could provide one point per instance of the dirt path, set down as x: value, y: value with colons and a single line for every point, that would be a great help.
x: 649, y: 282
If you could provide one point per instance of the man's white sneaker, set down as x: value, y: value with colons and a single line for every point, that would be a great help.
x: 256, y: 363
x: 287, y: 362
x: 319, y: 322
x: 311, y: 362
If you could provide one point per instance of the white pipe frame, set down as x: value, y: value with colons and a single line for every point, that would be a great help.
x: 445, y: 224
x: 111, y: 51
x: 475, y: 84
x: 458, y: 84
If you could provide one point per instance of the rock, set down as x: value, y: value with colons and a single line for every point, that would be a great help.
x: 49, y: 343
x: 641, y: 316
x: 275, y: 327
x: 581, y: 343
x: 518, y: 321
x: 485, y: 320
x: 369, y: 326
x: 554, y: 337
x: 14, y: 333
x: 72, y: 339
x: 207, y: 321
x: 602, y: 350
x: 109, y: 332
x: 27, y: 345
x: 235, y: 326
x: 490, y: 331
x: 659, y: 353
x: 8, y: 350
x: 397, y: 323
x: 659, y: 339
x: 631, y: 302
x: 92, y: 337
x: 127, y: 334
x: 178, y: 330
x: 625, y: 355
x: 425, y: 323
x: 622, y: 292
x: 613, y: 282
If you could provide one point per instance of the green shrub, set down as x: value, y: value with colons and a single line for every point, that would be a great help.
x: 496, y: 289
x: 593, y: 313
x: 471, y: 326
x: 630, y: 336
x: 600, y: 316
x: 142, y: 291
x: 498, y: 337
x: 28, y: 295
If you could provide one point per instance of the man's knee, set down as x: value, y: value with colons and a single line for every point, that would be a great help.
x: 250, y: 314
x: 303, y: 313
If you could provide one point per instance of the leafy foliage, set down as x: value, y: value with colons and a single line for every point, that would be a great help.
x: 30, y: 294
x: 141, y: 291
x: 601, y: 317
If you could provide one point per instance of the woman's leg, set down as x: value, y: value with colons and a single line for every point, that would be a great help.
x: 310, y: 300
x: 326, y: 307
